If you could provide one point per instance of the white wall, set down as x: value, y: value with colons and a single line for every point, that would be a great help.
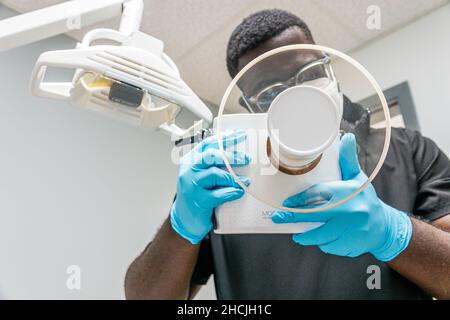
x: 418, y: 53
x: 75, y: 189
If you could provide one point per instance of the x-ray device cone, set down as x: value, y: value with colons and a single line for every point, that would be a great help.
x: 293, y: 146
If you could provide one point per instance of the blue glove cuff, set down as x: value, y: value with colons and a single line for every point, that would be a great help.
x: 178, y: 227
x: 400, y: 233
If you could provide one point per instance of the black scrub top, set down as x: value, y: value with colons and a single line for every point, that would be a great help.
x: 415, y: 179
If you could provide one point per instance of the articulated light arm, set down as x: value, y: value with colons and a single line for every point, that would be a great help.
x: 131, y: 16
x: 68, y: 16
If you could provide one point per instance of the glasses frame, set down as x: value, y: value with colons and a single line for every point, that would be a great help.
x: 252, y: 103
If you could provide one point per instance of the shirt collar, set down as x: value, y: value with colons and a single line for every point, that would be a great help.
x: 356, y: 120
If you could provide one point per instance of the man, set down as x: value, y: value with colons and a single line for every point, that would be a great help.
x: 331, y: 262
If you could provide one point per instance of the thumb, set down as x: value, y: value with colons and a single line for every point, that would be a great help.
x: 348, y: 157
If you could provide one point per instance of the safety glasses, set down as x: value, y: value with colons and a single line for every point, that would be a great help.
x: 313, y: 70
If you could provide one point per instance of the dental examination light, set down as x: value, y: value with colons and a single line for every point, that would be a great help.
x: 123, y: 73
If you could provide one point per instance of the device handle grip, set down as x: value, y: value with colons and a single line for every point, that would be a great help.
x: 104, y: 34
x: 179, y: 134
x: 54, y: 90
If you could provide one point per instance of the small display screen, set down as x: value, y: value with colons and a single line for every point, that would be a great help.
x: 126, y: 94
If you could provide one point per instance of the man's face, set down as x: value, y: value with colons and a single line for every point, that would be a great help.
x: 278, y: 68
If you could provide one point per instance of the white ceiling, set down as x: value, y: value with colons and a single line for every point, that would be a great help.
x: 195, y: 32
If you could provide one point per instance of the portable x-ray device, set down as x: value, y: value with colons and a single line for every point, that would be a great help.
x: 294, y: 131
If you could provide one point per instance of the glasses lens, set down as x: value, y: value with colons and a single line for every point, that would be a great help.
x: 312, y: 73
x: 266, y: 97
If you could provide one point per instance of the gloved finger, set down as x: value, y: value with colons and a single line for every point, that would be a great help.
x: 222, y: 195
x: 313, y: 197
x: 215, y: 177
x: 349, y: 244
x: 213, y: 157
x: 348, y: 157
x: 317, y: 195
x: 322, y: 194
x: 337, y: 248
x: 281, y: 217
x: 229, y: 138
x: 326, y: 233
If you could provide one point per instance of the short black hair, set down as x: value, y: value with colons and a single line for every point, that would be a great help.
x: 256, y: 29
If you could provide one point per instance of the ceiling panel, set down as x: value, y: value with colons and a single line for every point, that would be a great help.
x: 352, y: 16
x: 180, y: 23
x: 342, y: 26
x: 195, y: 32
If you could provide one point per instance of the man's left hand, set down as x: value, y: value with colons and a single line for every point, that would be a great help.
x: 361, y: 225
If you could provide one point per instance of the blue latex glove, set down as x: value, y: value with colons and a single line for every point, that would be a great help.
x: 203, y: 185
x: 362, y: 225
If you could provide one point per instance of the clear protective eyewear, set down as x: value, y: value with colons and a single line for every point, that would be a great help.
x: 313, y: 70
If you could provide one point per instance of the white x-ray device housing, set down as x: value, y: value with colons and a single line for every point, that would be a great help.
x: 276, y: 137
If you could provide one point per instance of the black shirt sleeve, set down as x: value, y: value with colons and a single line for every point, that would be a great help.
x: 204, y: 266
x: 433, y: 178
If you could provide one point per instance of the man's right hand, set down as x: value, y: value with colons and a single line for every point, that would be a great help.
x: 203, y: 185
